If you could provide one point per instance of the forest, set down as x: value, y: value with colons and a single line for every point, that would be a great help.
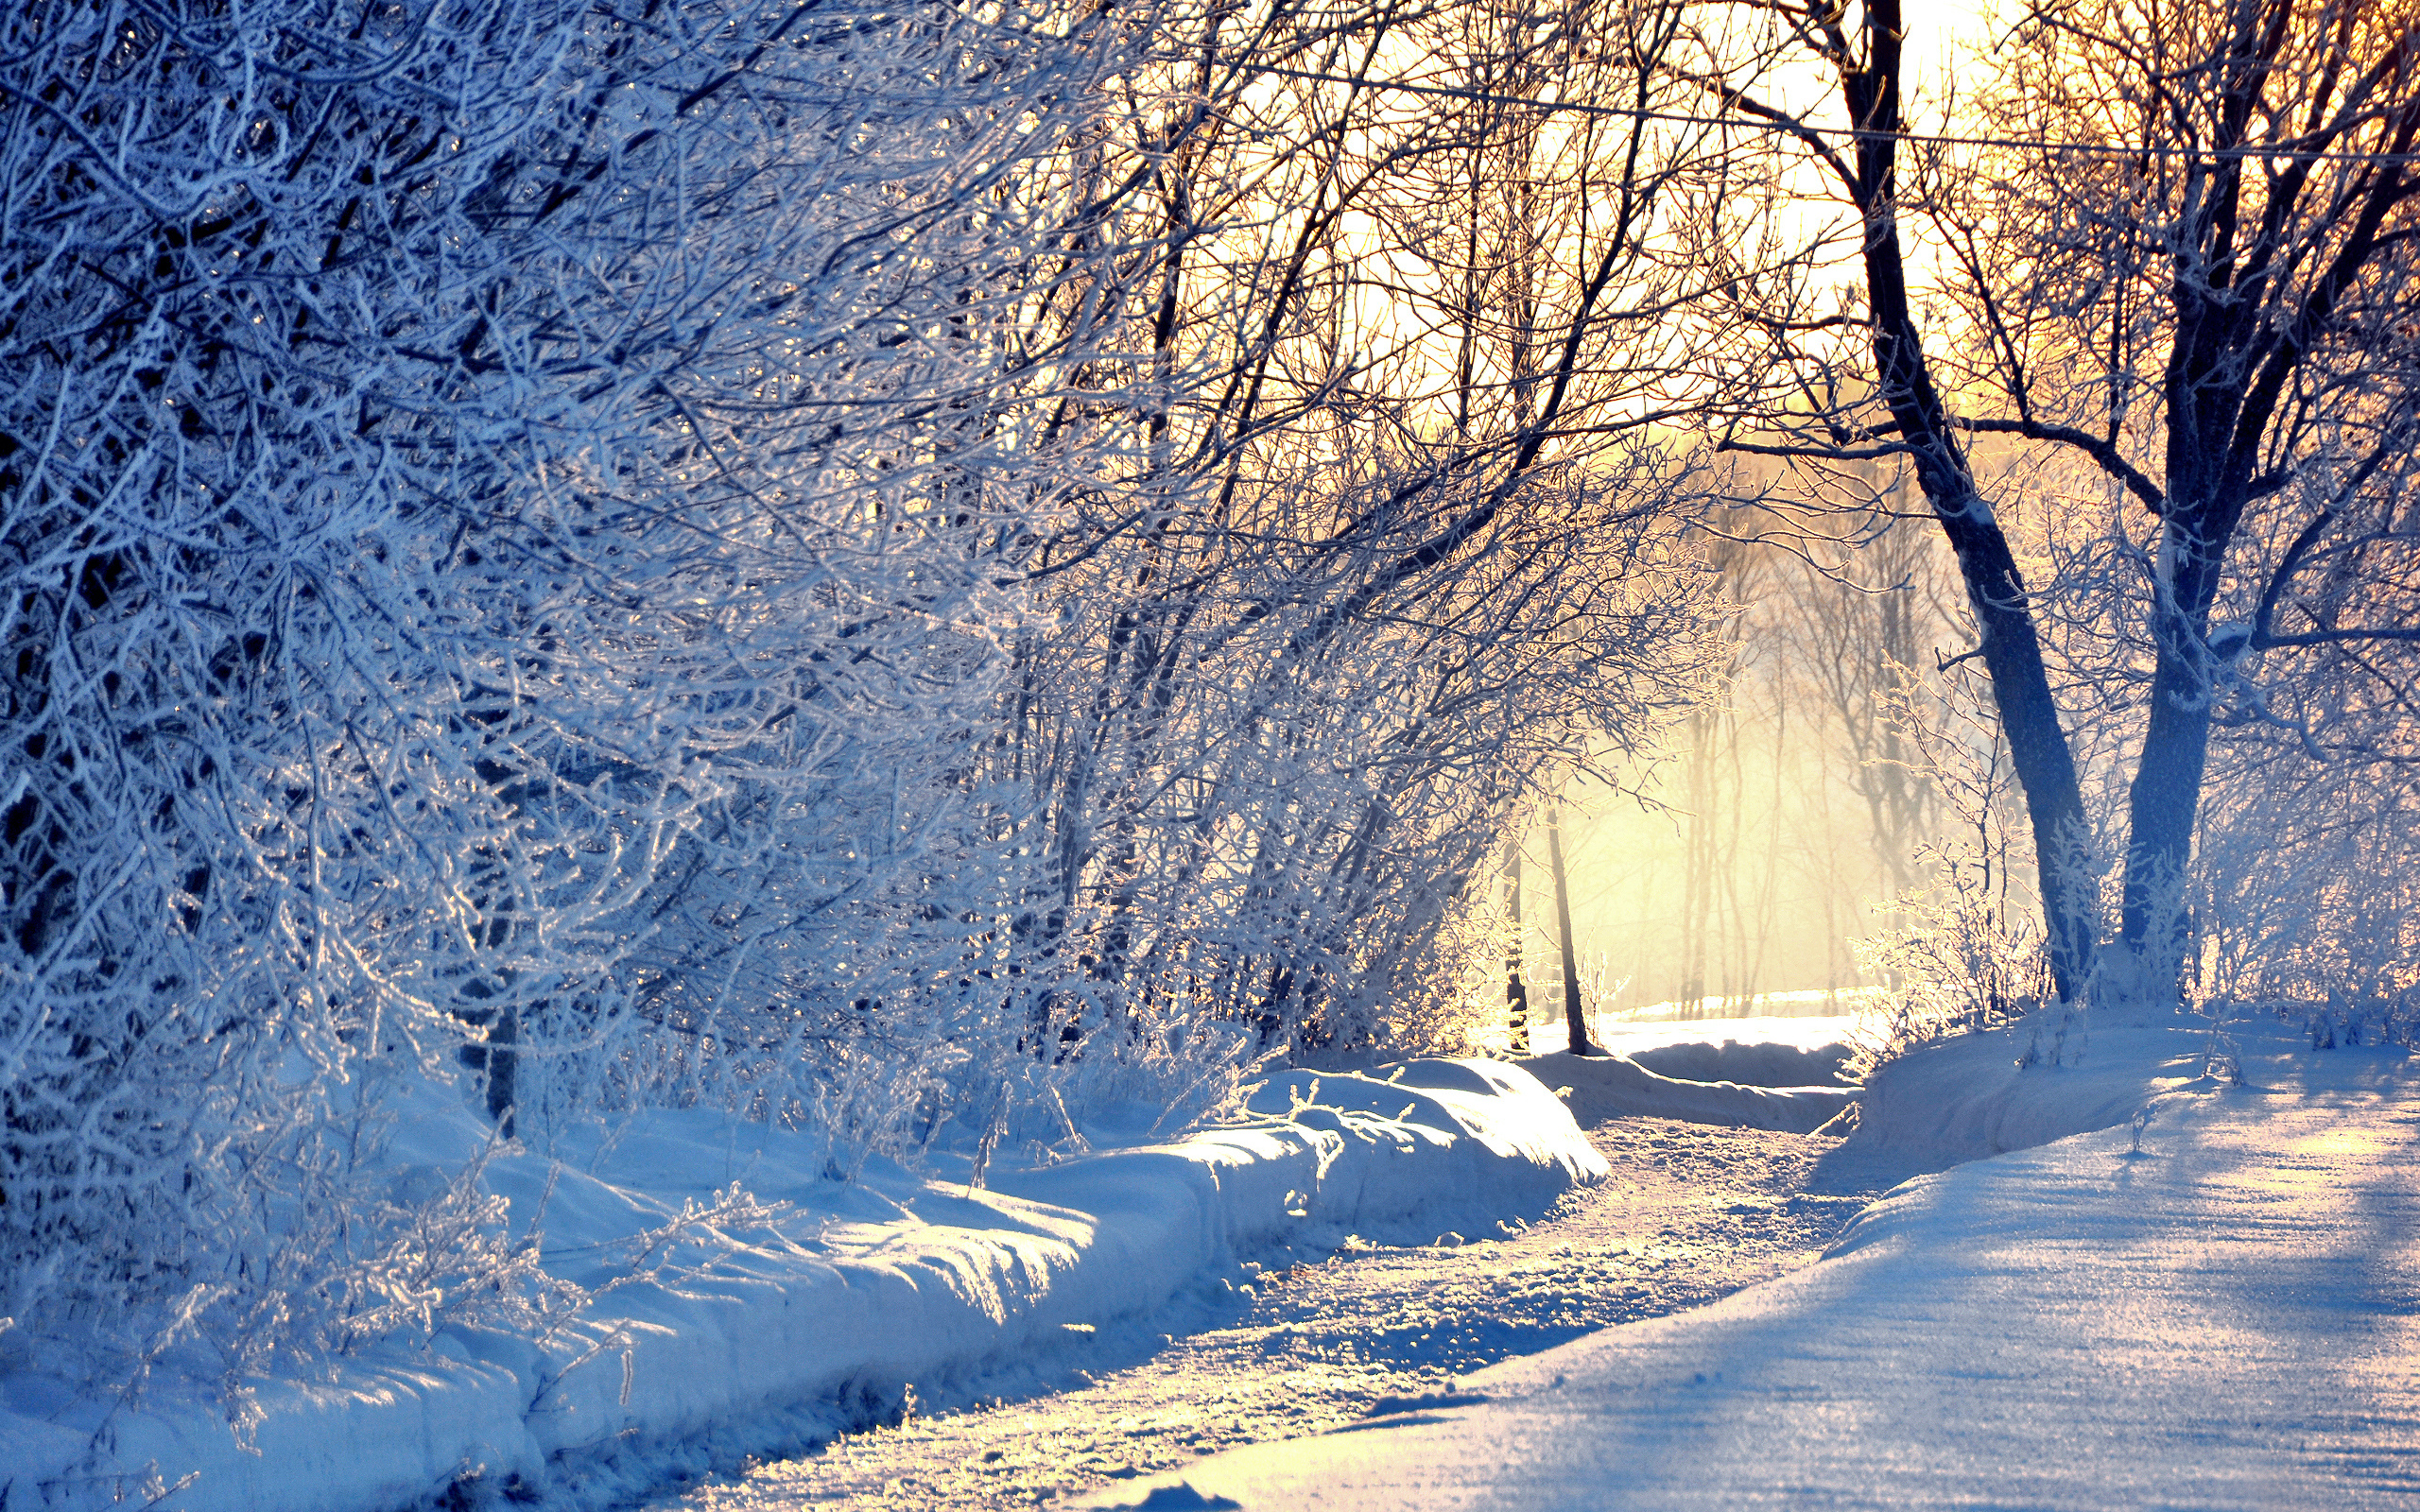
x: 917, y: 572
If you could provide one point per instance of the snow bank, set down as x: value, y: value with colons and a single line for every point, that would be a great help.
x: 1958, y: 1099
x: 1968, y: 1098
x: 1751, y: 1065
x: 855, y: 1290
x: 1604, y: 1087
x: 1756, y: 1051
x: 2224, y: 1318
x: 1763, y: 1008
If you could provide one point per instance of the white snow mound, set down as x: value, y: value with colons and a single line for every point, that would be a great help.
x: 1603, y: 1087
x: 853, y: 1290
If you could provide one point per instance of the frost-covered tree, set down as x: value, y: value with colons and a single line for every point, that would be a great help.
x: 501, y: 507
x: 2168, y: 245
x: 822, y: 559
x: 1404, y: 538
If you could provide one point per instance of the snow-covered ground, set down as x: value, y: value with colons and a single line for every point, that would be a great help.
x: 758, y: 1328
x: 1272, y: 1349
x: 1808, y: 1021
x: 1601, y: 1086
x: 1790, y: 1050
x: 2080, y: 1303
x: 750, y: 1305
x: 1778, y: 1073
x: 1805, y: 1033
x: 2215, y: 1305
x: 1814, y: 1003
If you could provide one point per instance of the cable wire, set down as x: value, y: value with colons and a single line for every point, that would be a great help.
x: 1793, y: 127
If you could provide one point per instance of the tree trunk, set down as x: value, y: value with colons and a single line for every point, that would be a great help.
x: 1516, y: 992
x: 2011, y: 647
x: 2167, y: 791
x: 1697, y: 883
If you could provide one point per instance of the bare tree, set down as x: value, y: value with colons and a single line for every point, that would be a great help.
x: 1575, y: 1018
x: 1412, y: 523
x: 2181, y: 257
x: 489, y: 555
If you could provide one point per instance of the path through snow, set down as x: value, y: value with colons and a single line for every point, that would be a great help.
x: 1691, y: 1214
x: 2215, y: 1307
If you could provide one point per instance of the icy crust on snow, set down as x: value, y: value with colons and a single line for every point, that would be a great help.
x: 853, y: 1290
x: 2219, y: 1309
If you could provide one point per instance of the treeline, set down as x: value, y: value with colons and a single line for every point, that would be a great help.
x: 2124, y: 322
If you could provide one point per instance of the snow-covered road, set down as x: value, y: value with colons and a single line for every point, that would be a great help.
x: 1691, y: 1214
x: 2226, y: 1315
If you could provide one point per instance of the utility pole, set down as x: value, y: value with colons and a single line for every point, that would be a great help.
x: 1579, y: 1022
x: 1516, y: 992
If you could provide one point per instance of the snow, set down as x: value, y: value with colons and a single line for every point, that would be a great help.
x: 1810, y: 1023
x: 1752, y: 1064
x: 1759, y: 1051
x: 1280, y: 1349
x: 1822, y: 1003
x: 1772, y: 1072
x: 1601, y: 1086
x: 1807, y: 1034
x: 835, y: 1301
x: 1966, y: 1098
x: 2226, y: 1314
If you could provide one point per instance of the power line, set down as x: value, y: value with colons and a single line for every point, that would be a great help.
x: 1792, y: 127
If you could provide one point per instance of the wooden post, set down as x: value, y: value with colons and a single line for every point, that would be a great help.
x: 1579, y: 1022
x: 1516, y: 992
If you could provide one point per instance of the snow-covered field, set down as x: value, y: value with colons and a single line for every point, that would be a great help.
x: 1805, y: 1033
x: 1364, y: 1235
x: 1601, y: 1086
x: 1764, y: 1071
x: 1776, y: 1050
x: 2216, y: 1305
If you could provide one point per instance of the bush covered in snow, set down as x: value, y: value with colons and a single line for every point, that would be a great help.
x: 606, y: 558
x: 504, y: 511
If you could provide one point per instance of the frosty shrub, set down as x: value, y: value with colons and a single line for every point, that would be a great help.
x: 1402, y: 541
x: 1965, y: 952
x: 2305, y: 886
x: 2304, y: 893
x: 744, y: 553
x: 1955, y: 963
x: 500, y: 506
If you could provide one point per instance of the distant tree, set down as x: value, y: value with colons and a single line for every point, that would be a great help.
x: 1575, y: 1018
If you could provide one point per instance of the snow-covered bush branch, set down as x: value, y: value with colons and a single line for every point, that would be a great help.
x: 786, y: 554
x: 493, y: 495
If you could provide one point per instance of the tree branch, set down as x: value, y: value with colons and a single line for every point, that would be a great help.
x: 2103, y: 452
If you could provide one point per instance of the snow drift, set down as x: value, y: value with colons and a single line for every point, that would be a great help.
x: 1752, y: 1063
x: 1968, y: 1097
x: 1602, y: 1087
x: 734, y: 1281
x: 2213, y: 1310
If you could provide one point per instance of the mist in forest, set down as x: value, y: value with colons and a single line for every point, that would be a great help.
x: 1791, y: 811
